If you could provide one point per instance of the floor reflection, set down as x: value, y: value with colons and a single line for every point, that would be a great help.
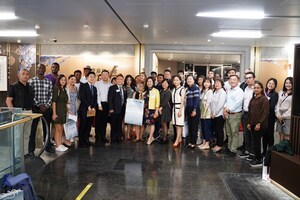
x: 137, y: 171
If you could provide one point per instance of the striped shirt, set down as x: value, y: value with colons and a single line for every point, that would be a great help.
x: 42, y: 91
x: 192, y: 97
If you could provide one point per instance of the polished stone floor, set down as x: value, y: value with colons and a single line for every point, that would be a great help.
x: 137, y: 171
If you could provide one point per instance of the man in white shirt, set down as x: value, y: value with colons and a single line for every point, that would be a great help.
x: 248, y: 95
x: 102, y: 111
x: 230, y: 72
x: 233, y: 114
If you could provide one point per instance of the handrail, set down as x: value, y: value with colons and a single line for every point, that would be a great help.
x: 28, y: 117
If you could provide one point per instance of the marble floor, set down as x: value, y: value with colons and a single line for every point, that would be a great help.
x: 137, y: 171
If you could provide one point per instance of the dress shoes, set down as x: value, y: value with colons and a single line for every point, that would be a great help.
x: 50, y: 149
x: 83, y: 146
x: 30, y: 155
x: 230, y: 155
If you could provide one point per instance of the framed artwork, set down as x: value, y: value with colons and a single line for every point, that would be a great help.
x: 3, y: 73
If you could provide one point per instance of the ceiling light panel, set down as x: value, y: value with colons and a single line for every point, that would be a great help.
x: 234, y: 14
x: 7, y: 16
x: 17, y: 33
x: 238, y: 34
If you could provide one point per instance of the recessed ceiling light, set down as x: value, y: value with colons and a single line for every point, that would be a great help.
x: 17, y: 33
x: 234, y: 14
x: 19, y: 41
x: 86, y: 26
x: 209, y: 40
x: 7, y: 16
x: 37, y: 27
x: 145, y: 26
x: 238, y: 34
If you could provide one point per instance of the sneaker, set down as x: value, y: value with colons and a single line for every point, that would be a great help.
x: 61, y: 148
x: 251, y: 157
x: 256, y: 163
x: 244, y: 155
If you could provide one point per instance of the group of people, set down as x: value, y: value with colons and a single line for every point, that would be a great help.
x: 205, y: 103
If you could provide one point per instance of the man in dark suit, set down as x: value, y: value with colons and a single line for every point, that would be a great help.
x: 88, y: 98
x: 116, y: 106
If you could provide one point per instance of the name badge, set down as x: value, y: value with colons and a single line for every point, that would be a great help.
x: 118, y: 90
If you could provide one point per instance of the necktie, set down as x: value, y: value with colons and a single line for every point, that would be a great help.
x: 122, y: 95
x: 91, y: 87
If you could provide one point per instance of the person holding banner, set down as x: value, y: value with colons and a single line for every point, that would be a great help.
x: 152, y: 101
x: 138, y: 94
x: 116, y: 106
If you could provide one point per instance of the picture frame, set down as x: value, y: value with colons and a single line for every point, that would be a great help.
x: 3, y: 73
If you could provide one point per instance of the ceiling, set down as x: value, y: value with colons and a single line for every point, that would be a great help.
x: 170, y: 21
x: 200, y: 58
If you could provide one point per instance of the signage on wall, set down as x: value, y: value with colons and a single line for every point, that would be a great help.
x: 3, y: 73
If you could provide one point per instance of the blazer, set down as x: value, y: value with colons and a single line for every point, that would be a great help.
x: 154, y: 99
x: 86, y: 97
x: 114, y: 99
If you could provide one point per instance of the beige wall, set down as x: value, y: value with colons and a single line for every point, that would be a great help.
x: 275, y: 69
x: 98, y: 63
x: 163, y: 65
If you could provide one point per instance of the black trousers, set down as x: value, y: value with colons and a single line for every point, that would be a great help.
x: 193, y: 124
x: 256, y: 136
x: 85, y: 126
x: 47, y: 115
x: 268, y: 137
x: 218, y: 129
x: 116, y: 127
x: 101, y: 122
x: 246, y: 134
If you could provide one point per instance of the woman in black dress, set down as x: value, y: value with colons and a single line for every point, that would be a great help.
x: 165, y: 109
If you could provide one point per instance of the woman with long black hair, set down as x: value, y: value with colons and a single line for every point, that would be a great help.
x: 59, y: 110
x: 272, y: 95
x: 284, y: 109
x: 257, y: 122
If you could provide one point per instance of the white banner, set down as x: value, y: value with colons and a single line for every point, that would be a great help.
x: 70, y: 129
x: 134, y: 112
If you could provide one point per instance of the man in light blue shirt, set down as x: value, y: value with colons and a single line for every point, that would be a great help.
x: 233, y: 114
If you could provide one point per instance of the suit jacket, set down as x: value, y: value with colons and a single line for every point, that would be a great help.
x: 86, y: 97
x: 114, y: 99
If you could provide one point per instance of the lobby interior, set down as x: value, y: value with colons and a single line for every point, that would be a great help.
x: 137, y: 36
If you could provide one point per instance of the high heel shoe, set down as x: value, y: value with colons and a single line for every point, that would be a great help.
x: 177, y: 145
x: 150, y: 140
